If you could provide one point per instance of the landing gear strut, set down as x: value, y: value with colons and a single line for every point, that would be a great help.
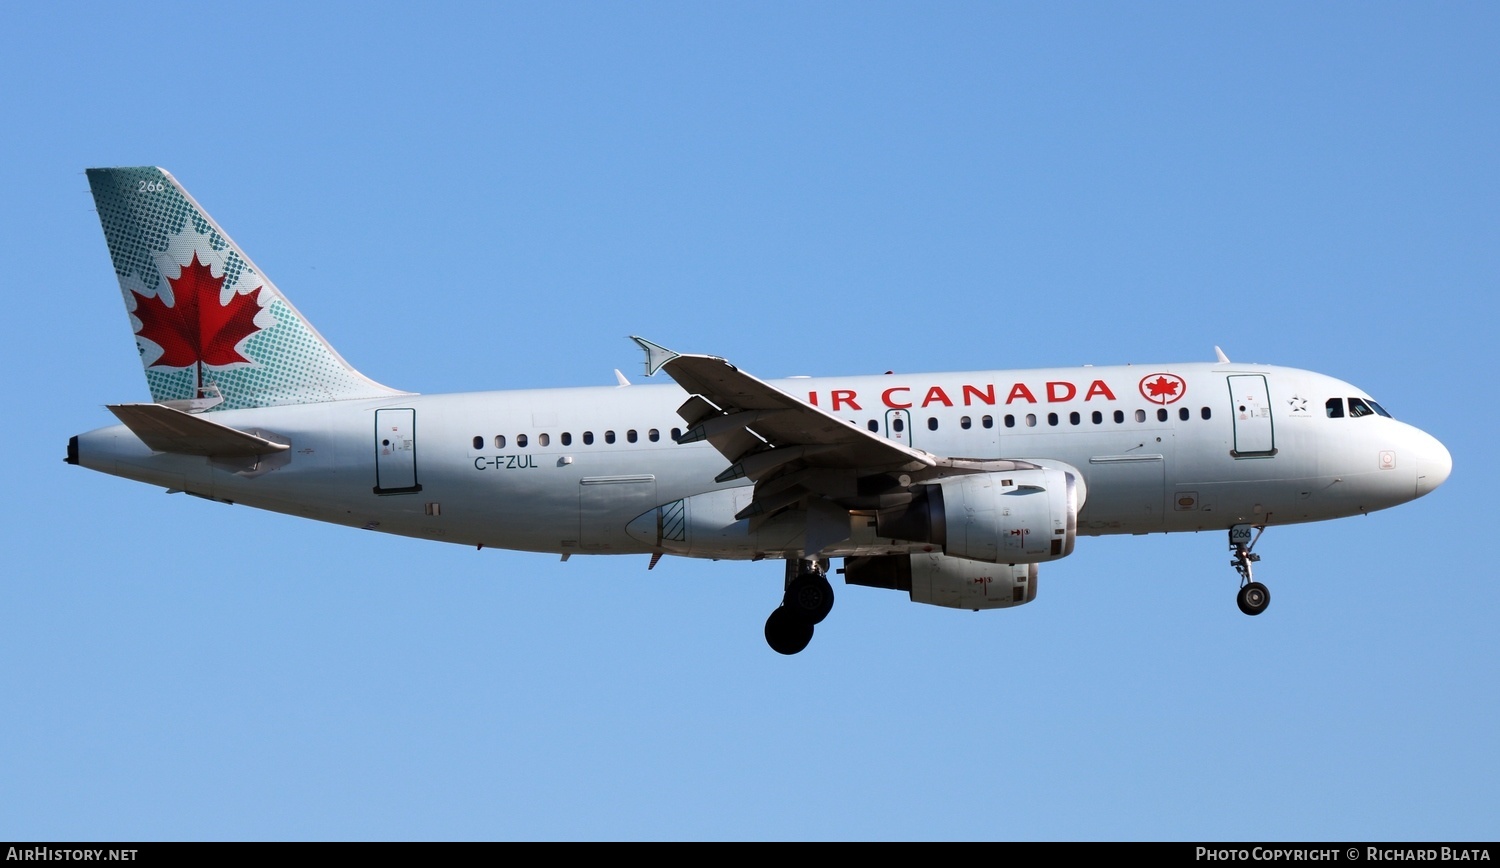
x: 808, y: 599
x: 1253, y: 597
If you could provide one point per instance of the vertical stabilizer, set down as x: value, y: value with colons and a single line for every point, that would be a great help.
x: 209, y: 324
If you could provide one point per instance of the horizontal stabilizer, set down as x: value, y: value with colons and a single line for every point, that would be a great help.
x: 164, y: 429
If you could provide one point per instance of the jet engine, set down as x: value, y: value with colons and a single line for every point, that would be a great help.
x: 1011, y: 517
x: 944, y: 581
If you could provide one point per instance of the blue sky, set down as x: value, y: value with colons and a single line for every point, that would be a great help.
x: 494, y: 195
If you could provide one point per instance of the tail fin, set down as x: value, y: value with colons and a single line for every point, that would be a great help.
x: 212, y: 330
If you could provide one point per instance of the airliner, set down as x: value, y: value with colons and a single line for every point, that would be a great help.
x: 953, y: 488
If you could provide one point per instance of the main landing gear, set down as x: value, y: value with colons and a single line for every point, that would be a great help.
x: 808, y: 600
x: 1253, y: 597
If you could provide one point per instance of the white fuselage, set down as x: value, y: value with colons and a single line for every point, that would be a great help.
x: 1162, y: 448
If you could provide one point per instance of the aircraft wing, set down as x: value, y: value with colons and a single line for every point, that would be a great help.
x: 789, y: 447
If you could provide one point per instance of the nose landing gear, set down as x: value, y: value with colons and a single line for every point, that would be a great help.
x: 1253, y: 597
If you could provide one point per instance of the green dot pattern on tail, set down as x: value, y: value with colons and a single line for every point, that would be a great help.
x: 153, y: 227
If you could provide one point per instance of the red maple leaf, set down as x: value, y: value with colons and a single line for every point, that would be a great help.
x: 195, y: 327
x: 1161, y: 386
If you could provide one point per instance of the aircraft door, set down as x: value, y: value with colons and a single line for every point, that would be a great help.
x: 1254, y: 432
x: 396, y: 451
x: 898, y: 426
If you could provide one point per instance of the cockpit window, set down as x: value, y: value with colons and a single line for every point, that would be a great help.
x: 1335, y: 408
x: 1381, y: 410
x: 1358, y: 407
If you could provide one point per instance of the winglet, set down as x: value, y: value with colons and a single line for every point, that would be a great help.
x: 656, y: 355
x: 1223, y: 359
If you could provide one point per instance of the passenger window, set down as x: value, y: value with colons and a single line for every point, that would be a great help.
x: 1359, y: 408
x: 609, y: 436
x: 499, y: 441
x: 588, y: 438
x: 873, y: 426
x: 965, y: 423
x: 898, y: 424
x: 1119, y: 417
x: 1140, y: 415
x: 543, y: 439
x: 1010, y: 421
x: 1335, y: 407
x: 676, y: 433
x: 520, y: 441
x: 1207, y: 412
x: 1161, y: 414
x: 1098, y: 417
x: 1184, y: 413
x: 1030, y: 420
x: 567, y: 439
x: 1074, y: 418
x: 630, y: 435
x: 1052, y: 419
x: 478, y: 442
x: 931, y: 423
x: 988, y: 421
x: 653, y: 435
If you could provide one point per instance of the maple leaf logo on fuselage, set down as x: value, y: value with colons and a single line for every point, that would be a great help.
x: 196, y: 329
x: 1162, y: 388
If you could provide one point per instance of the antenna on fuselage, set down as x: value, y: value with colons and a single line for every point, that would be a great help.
x: 1223, y: 359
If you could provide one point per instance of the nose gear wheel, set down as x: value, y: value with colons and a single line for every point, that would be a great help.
x: 1253, y: 597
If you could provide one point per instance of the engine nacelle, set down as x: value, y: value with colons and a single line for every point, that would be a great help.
x: 944, y: 581
x: 1014, y: 517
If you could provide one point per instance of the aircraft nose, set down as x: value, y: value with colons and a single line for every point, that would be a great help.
x: 1434, y: 463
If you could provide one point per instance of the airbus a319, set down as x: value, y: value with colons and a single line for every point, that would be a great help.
x: 953, y: 488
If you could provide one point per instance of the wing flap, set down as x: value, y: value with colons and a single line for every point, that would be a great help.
x: 164, y: 429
